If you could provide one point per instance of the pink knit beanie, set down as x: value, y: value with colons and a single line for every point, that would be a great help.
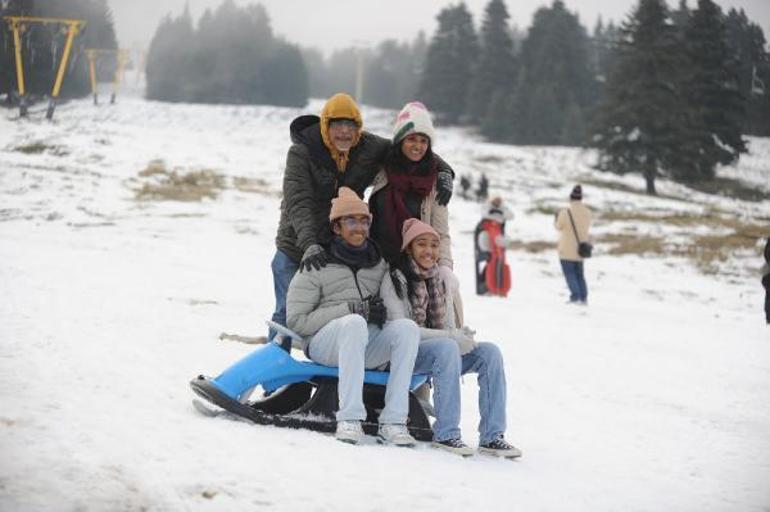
x: 347, y: 203
x: 414, y: 228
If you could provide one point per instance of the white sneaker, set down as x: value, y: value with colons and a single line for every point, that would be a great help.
x: 396, y: 434
x: 455, y: 446
x: 349, y: 432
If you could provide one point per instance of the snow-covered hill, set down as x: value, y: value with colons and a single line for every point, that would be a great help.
x: 652, y: 398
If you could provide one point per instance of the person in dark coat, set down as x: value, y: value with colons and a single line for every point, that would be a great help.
x: 327, y: 152
x: 766, y: 280
x: 483, y: 191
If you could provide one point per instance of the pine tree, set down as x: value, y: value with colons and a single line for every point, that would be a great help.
x: 746, y: 42
x: 681, y: 18
x: 712, y: 94
x: 496, y: 69
x: 449, y: 64
x: 285, y: 77
x: 555, y: 78
x: 232, y: 57
x: 641, y: 125
x: 168, y: 63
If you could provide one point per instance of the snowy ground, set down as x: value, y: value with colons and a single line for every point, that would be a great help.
x: 653, y: 398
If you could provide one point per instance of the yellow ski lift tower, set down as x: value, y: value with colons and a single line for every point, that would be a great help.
x: 120, y: 55
x: 18, y: 25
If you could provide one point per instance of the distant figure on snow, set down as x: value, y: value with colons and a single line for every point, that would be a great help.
x: 465, y: 185
x: 573, y: 224
x: 766, y: 280
x: 493, y: 276
x: 483, y: 191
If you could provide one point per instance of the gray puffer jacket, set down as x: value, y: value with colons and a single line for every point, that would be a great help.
x: 316, y: 297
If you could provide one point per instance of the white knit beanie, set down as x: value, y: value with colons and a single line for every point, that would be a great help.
x: 413, y: 118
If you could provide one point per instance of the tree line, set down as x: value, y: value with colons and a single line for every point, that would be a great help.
x: 43, y: 44
x: 668, y: 92
x: 231, y: 56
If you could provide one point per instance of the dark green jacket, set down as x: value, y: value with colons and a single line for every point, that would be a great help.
x: 311, y: 181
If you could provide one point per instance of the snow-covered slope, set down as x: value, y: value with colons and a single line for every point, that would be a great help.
x: 653, y: 398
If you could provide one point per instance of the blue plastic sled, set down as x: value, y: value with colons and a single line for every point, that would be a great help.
x: 298, y: 394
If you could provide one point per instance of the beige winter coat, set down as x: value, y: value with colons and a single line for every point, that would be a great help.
x: 568, y: 245
x: 431, y: 213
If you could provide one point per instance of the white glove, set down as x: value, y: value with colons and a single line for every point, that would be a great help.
x: 464, y: 339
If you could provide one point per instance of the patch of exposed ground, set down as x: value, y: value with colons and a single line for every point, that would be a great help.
x: 159, y: 183
x: 36, y: 148
x: 162, y: 184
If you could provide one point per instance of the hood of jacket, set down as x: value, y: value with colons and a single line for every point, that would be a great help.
x: 306, y: 130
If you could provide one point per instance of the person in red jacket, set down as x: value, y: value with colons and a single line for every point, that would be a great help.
x: 493, y: 276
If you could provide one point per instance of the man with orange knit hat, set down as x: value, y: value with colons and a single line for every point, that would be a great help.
x: 340, y: 315
x: 327, y: 152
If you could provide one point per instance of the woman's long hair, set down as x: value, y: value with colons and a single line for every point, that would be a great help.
x: 403, y: 264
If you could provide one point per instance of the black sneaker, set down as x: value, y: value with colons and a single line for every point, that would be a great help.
x: 455, y: 446
x: 499, y: 447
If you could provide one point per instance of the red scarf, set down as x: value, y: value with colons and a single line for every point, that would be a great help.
x: 399, y: 185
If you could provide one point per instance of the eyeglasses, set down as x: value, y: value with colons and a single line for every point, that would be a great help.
x: 340, y: 124
x: 353, y: 223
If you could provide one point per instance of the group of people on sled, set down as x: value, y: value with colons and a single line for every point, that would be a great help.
x: 371, y: 285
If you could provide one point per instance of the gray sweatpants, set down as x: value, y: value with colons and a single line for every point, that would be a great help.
x: 352, y: 345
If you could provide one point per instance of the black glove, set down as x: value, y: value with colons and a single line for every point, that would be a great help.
x: 444, y: 187
x: 371, y: 308
x: 315, y: 257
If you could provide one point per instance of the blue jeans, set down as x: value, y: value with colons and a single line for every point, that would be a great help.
x: 576, y: 281
x: 441, y: 357
x: 352, y: 345
x: 284, y: 269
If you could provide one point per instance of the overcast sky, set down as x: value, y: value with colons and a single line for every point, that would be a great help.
x: 339, y: 23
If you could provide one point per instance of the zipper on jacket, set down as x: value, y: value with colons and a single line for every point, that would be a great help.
x: 355, y: 279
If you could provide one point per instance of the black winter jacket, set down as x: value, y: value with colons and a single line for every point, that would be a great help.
x: 311, y: 181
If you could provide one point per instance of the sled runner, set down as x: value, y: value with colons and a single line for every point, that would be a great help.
x: 298, y: 394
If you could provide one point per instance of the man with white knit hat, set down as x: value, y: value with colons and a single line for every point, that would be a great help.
x: 338, y: 312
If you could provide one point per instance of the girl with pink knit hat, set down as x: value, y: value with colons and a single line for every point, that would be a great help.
x: 414, y: 288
